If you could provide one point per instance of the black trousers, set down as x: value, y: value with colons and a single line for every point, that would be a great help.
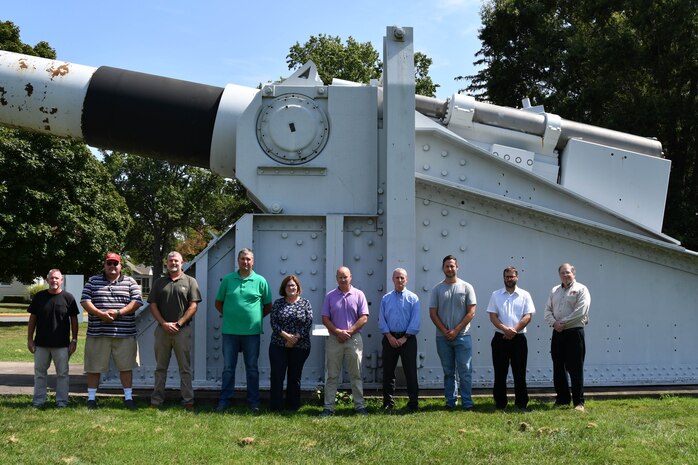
x: 281, y: 361
x: 408, y: 354
x: 512, y: 352
x: 568, y: 350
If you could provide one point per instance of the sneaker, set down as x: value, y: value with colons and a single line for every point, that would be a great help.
x: 579, y: 408
x: 189, y: 406
x: 91, y: 404
x: 388, y: 409
x: 130, y: 404
x: 326, y: 413
x: 361, y: 411
x: 412, y: 408
x: 222, y: 407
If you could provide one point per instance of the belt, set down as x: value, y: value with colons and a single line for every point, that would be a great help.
x: 399, y: 335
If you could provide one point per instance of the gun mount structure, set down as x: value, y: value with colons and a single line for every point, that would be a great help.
x: 369, y: 177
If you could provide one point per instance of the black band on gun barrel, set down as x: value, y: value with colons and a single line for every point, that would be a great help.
x: 149, y: 115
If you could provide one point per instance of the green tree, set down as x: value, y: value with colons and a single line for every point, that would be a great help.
x: 10, y: 41
x: 422, y: 81
x: 58, y: 208
x: 171, y: 203
x: 629, y: 65
x: 357, y: 62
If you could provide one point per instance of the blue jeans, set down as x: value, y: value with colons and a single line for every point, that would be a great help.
x: 457, y: 355
x: 249, y: 346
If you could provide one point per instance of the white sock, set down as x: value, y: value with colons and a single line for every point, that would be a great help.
x: 128, y: 393
x: 91, y: 393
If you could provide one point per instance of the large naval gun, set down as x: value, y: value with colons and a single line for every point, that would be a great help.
x: 370, y: 177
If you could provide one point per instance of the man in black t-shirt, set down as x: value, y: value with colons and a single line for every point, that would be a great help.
x: 53, y: 316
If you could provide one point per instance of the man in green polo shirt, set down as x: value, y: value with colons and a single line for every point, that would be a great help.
x: 173, y: 303
x: 244, y: 299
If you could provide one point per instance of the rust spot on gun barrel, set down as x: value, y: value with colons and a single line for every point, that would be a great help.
x: 60, y: 71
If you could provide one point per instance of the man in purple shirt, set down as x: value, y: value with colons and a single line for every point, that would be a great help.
x: 344, y: 313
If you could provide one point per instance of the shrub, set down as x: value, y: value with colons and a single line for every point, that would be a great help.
x: 33, y: 289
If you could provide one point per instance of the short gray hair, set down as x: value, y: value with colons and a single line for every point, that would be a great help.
x: 54, y: 270
x: 244, y: 251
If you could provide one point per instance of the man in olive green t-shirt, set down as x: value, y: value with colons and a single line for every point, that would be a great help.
x: 173, y: 302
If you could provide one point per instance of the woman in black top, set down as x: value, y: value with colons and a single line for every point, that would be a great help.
x: 291, y: 320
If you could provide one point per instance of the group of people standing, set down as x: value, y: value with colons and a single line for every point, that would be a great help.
x: 244, y: 299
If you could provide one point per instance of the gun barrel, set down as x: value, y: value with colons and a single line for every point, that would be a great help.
x: 534, y: 123
x: 110, y: 108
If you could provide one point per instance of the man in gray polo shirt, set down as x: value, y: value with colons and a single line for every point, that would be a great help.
x: 452, y: 305
x: 173, y: 303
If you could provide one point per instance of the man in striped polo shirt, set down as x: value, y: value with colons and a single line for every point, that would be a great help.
x: 111, y: 300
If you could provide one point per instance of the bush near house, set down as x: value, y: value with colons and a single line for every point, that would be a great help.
x: 33, y: 289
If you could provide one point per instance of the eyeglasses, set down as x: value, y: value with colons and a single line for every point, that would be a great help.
x: 112, y: 263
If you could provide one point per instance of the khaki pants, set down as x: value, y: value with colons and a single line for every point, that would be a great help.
x: 180, y: 343
x: 42, y: 360
x: 335, y: 353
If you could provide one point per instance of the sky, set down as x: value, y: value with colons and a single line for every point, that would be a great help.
x: 217, y: 42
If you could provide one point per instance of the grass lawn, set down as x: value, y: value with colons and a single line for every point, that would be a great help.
x: 637, y: 431
x: 13, y: 344
x: 627, y: 431
x: 13, y: 308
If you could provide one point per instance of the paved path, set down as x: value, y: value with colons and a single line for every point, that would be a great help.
x: 14, y: 318
x: 18, y: 378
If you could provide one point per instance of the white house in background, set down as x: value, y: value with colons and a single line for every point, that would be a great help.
x: 13, y: 288
x: 142, y: 274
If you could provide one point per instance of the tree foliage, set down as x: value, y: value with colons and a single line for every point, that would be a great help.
x: 172, y: 204
x: 422, y: 81
x: 357, y: 62
x: 10, y: 41
x: 58, y: 208
x: 629, y: 65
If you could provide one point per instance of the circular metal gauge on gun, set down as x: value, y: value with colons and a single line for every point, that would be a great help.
x: 292, y: 129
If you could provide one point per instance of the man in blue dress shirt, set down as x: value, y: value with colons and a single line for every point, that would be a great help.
x: 399, y: 323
